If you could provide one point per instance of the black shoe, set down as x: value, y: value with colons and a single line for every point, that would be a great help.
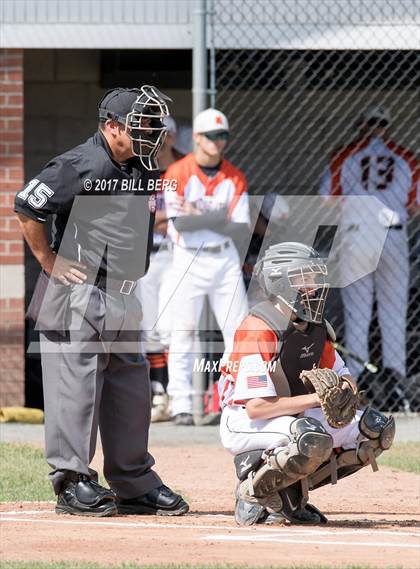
x: 160, y: 501
x: 211, y: 419
x: 309, y: 515
x: 272, y: 519
x: 305, y: 516
x: 184, y: 419
x: 296, y: 513
x: 81, y: 496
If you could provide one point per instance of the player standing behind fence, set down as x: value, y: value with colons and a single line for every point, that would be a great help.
x: 372, y: 165
x: 208, y: 208
x: 153, y: 291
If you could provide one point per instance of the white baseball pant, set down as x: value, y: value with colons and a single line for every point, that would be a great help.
x: 239, y: 433
x: 390, y: 283
x: 197, y: 275
x: 154, y: 290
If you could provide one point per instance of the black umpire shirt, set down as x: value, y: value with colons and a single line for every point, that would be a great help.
x: 103, y: 211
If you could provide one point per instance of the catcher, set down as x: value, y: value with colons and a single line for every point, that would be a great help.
x: 289, y: 403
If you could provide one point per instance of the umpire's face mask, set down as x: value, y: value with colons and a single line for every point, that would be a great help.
x: 144, y: 125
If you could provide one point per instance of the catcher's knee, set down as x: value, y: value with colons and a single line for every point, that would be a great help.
x: 378, y: 429
x: 309, y: 446
x: 380, y: 432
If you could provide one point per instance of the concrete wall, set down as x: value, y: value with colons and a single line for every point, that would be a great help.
x: 62, y: 91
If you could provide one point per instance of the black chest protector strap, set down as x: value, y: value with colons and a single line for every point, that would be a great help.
x: 298, y: 350
x: 277, y: 321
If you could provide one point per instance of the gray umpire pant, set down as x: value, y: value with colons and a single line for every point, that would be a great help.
x: 94, y: 375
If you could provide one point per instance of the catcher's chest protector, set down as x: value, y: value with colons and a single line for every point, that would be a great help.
x: 298, y: 350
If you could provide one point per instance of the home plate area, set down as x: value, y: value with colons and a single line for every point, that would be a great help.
x: 39, y: 534
x: 374, y: 520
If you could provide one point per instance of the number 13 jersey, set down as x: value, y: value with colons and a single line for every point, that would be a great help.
x: 377, y: 168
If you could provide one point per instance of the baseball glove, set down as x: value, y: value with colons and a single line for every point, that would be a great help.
x: 336, y: 394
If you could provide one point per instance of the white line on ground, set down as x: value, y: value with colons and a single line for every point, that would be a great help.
x: 274, y: 533
x: 281, y: 539
x: 295, y: 529
x: 24, y: 512
x: 31, y: 502
x: 51, y: 511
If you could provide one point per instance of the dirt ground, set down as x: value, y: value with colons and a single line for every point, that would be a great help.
x: 374, y: 519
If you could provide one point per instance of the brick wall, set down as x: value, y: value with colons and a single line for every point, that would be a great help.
x: 11, y: 243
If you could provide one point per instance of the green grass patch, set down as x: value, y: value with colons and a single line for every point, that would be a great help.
x: 23, y: 470
x: 62, y: 565
x: 403, y: 456
x: 23, y: 474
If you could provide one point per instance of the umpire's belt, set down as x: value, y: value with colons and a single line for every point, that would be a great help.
x: 124, y: 287
x: 214, y: 249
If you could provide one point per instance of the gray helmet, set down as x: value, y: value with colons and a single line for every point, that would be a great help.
x: 296, y: 274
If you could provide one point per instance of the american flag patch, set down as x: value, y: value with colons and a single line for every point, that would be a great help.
x: 255, y: 381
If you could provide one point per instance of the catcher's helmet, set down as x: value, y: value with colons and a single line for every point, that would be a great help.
x: 142, y: 112
x: 296, y: 274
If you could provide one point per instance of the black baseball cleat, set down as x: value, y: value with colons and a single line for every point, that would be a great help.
x: 309, y: 515
x: 161, y: 501
x: 81, y: 496
x: 184, y: 420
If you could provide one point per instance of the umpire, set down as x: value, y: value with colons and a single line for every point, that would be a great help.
x: 101, y: 197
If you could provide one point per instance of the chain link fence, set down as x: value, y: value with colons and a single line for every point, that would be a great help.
x: 294, y: 79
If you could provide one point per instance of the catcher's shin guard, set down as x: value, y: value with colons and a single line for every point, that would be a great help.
x: 380, y: 432
x: 308, y: 447
x: 249, y: 512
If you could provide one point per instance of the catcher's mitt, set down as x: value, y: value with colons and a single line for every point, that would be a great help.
x: 336, y: 394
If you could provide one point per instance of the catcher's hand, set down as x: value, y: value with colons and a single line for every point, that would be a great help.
x: 337, y: 395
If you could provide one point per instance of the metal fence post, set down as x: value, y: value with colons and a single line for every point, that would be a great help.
x: 199, y: 104
x: 199, y: 56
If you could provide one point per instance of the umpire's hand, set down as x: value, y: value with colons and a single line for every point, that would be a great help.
x: 64, y: 270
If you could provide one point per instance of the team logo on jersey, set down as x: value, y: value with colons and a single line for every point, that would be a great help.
x: 306, y: 353
x: 245, y: 464
x: 152, y: 204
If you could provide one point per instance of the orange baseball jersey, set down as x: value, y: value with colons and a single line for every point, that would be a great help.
x: 227, y: 189
x: 246, y: 374
x: 377, y: 168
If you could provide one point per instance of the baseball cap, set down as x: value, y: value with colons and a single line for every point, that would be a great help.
x: 376, y: 112
x: 210, y: 120
x: 117, y: 103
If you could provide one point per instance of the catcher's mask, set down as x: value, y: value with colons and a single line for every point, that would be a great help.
x: 143, y: 123
x: 296, y: 274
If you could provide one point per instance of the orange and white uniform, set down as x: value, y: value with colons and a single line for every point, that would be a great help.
x: 227, y: 189
x: 379, y: 168
x: 205, y: 263
x: 251, y: 372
